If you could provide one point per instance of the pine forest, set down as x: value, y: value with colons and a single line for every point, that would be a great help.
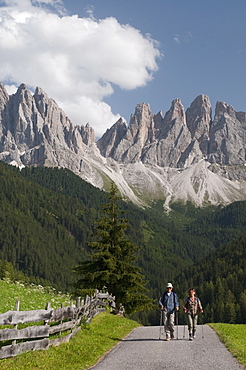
x: 47, y: 223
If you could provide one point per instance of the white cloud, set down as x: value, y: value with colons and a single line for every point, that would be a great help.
x: 184, y: 38
x: 11, y: 89
x: 75, y: 60
x: 177, y: 39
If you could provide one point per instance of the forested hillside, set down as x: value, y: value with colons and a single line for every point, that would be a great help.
x: 222, y: 225
x: 47, y: 217
x: 165, y: 247
x: 220, y: 279
x: 42, y: 233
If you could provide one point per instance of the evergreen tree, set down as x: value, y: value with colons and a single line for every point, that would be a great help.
x: 112, y: 262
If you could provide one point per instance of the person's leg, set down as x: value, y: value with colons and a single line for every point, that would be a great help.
x: 166, y: 324
x: 171, y: 324
x: 194, y: 325
x: 190, y: 324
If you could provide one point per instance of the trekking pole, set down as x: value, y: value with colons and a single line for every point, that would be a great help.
x: 202, y: 327
x: 184, y: 329
x: 161, y: 320
x: 177, y: 324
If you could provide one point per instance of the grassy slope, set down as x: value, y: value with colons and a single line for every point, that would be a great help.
x: 31, y: 298
x: 234, y: 338
x: 83, y: 351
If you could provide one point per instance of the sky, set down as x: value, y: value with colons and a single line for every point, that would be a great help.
x: 98, y: 59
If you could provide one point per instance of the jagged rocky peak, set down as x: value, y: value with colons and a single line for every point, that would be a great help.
x: 88, y: 134
x: 50, y: 112
x: 23, y: 95
x: 36, y: 131
x: 140, y: 120
x: 225, y: 110
x: 111, y: 138
x: 198, y: 117
x: 42, y: 101
x: 176, y: 112
x: 40, y: 94
x: 4, y: 96
x: 222, y: 107
x: 227, y: 136
x: 141, y: 126
x: 171, y: 155
x: 142, y: 112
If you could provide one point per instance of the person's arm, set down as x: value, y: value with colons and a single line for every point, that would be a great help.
x: 176, y: 302
x: 200, y: 306
x: 185, y: 308
x: 161, y: 302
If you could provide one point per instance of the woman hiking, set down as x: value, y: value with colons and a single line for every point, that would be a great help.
x: 191, y: 308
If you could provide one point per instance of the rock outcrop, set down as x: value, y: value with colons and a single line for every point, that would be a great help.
x: 227, y: 136
x: 181, y: 138
x: 179, y: 156
x: 152, y: 139
x: 35, y: 131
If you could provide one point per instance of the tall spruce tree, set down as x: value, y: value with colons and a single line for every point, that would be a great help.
x: 111, y: 263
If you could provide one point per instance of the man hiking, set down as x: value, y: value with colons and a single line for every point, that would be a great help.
x: 169, y: 303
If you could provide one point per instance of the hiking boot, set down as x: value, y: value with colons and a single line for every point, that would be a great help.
x: 190, y: 336
x: 167, y: 338
x: 194, y: 334
x: 172, y: 336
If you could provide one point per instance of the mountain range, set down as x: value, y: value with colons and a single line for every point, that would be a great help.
x: 179, y: 156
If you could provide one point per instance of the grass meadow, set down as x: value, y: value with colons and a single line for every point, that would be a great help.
x: 83, y: 351
x: 234, y: 338
x: 31, y: 297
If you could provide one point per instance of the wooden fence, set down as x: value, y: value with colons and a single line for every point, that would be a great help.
x: 63, y: 322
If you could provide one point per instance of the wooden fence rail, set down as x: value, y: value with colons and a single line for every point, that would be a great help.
x: 66, y: 320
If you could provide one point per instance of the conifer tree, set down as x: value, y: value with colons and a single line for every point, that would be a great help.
x: 111, y: 263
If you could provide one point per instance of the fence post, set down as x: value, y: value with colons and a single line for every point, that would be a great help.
x: 47, y: 307
x: 85, y: 310
x: 78, y: 302
x: 60, y: 322
x: 17, y: 308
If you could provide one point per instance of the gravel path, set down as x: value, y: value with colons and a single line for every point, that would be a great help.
x: 142, y: 350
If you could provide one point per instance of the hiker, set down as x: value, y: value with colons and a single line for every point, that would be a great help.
x: 169, y: 303
x: 191, y: 307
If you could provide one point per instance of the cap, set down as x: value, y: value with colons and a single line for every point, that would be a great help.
x: 169, y: 285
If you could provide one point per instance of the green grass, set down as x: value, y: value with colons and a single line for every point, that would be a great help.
x: 234, y: 338
x: 83, y: 351
x: 31, y: 297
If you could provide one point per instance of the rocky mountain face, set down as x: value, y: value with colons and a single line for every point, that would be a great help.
x: 179, y: 139
x: 179, y: 156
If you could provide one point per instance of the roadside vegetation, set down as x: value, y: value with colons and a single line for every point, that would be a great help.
x: 31, y: 297
x: 82, y: 352
x: 234, y: 338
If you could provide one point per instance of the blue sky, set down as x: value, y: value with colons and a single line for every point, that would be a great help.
x: 199, y: 48
x: 204, y: 48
